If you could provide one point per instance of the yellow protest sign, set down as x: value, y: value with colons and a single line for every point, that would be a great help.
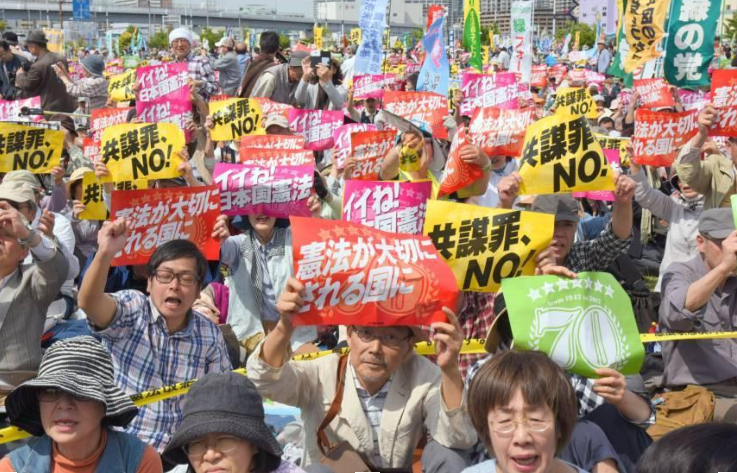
x: 614, y: 142
x: 409, y: 159
x: 561, y: 155
x: 643, y: 29
x: 120, y: 87
x: 55, y: 40
x: 356, y: 35
x: 577, y: 41
x: 491, y: 39
x: 575, y: 101
x: 485, y: 54
x: 134, y: 151
x: 27, y: 147
x: 92, y: 198
x: 138, y: 184
x: 317, y: 33
x: 484, y: 245
x: 235, y: 118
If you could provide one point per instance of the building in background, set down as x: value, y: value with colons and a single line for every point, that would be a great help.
x: 547, y: 14
x: 144, y: 3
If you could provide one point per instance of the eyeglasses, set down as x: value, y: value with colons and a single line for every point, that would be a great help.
x: 185, y: 279
x: 222, y: 445
x: 507, y: 426
x: 390, y: 340
x: 181, y: 41
x: 53, y: 395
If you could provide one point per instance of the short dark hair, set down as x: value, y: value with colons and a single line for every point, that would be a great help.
x: 693, y: 449
x: 178, y: 249
x: 269, y: 42
x: 603, y: 120
x: 541, y: 381
x: 4, y: 45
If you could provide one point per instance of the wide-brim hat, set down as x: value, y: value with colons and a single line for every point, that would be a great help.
x: 76, y: 176
x: 37, y: 37
x: 79, y: 366
x: 225, y: 403
x: 94, y: 64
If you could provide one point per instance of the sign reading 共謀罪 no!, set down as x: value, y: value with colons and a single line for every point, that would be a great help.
x: 27, y: 147
x: 234, y: 118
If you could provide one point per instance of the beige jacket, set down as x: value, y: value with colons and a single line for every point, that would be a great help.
x: 414, y: 405
x: 713, y: 177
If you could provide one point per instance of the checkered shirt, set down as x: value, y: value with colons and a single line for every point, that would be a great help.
x: 94, y: 89
x: 146, y: 357
x: 200, y: 68
x: 597, y: 254
x: 372, y: 406
x: 475, y: 318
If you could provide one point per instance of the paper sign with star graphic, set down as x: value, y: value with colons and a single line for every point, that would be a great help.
x: 583, y: 324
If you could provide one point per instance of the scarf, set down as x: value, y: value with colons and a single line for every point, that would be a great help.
x: 249, y: 252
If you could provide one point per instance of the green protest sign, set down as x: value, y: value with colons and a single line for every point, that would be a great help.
x: 690, y: 44
x: 734, y: 208
x: 582, y: 324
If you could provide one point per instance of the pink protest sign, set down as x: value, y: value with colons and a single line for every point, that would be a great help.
x: 694, y: 100
x: 316, y: 126
x: 371, y: 86
x: 482, y: 90
x: 342, y: 138
x: 10, y: 109
x: 595, y: 77
x: 165, y: 81
x: 391, y: 206
x: 273, y: 191
x: 612, y: 155
x: 167, y: 111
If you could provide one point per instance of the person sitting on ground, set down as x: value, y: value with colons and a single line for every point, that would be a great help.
x: 71, y: 409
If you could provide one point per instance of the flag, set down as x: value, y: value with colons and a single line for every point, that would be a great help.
x: 644, y: 21
x: 472, y: 33
x: 521, y: 60
x: 435, y: 72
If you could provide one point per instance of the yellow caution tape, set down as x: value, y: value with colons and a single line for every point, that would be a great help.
x: 470, y: 347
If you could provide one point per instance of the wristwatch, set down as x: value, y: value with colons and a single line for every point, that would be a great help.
x: 31, y: 234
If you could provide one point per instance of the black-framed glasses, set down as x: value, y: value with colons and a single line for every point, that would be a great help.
x: 53, y: 395
x: 367, y: 335
x: 223, y: 444
x: 165, y: 276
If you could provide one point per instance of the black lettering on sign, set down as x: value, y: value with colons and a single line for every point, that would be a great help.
x: 31, y: 160
x: 596, y: 168
x: 568, y: 176
x: 156, y: 161
x: 245, y: 126
x: 580, y: 108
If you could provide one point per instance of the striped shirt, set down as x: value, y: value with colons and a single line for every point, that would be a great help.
x: 146, y: 357
x: 372, y: 406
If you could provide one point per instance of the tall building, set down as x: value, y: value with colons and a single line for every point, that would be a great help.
x: 404, y: 12
x: 547, y: 14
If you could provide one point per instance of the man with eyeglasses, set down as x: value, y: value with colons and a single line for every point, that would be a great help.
x: 156, y: 340
x: 714, y: 177
x: 201, y: 75
x: 391, y: 396
x: 700, y: 295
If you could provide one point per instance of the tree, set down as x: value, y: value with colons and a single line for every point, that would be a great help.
x: 587, y: 33
x: 730, y: 28
x: 418, y: 34
x: 485, y: 33
x: 284, y: 41
x: 211, y: 36
x: 126, y: 37
x: 160, y: 39
x: 3, y: 25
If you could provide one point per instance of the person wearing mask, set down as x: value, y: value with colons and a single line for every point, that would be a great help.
x: 279, y: 83
x: 92, y: 87
x: 72, y: 409
x: 10, y: 64
x: 267, y: 57
x: 228, y: 66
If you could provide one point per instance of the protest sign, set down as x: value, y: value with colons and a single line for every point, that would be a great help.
x: 91, y: 149
x: 92, y: 198
x: 660, y: 135
x: 342, y: 138
x: 595, y: 77
x: 435, y: 70
x: 457, y: 173
x: 157, y: 216
x: 582, y: 324
x: 369, y: 149
x: 11, y: 109
x: 574, y: 101
x: 167, y: 81
x: 483, y: 90
x: 643, y: 26
x: 120, y: 87
x: 115, y: 68
x: 558, y: 71
x: 500, y: 132
x: 176, y: 111
x: 521, y: 32
x: 142, y: 150
x: 316, y: 127
x: 276, y: 157
x: 275, y: 191
x: 539, y: 76
x: 472, y: 32
x: 694, y: 100
x: 654, y: 93
x: 618, y: 144
x: 577, y: 76
x: 372, y: 21
x: 235, y: 118
x: 273, y: 142
x: 424, y: 109
x: 356, y: 275
x: 689, y: 46
x: 105, y: 117
x: 724, y: 88
x: 31, y: 148
x: 484, y: 245
x: 269, y: 107
x: 55, y: 38
x: 614, y: 160
x: 560, y: 155
x: 371, y: 86
x: 390, y: 206
x: 138, y: 184
x: 355, y: 36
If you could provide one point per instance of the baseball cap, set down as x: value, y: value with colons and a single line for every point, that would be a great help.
x: 276, y: 119
x: 23, y: 176
x: 716, y: 223
x: 563, y: 206
x: 297, y: 57
x: 226, y: 41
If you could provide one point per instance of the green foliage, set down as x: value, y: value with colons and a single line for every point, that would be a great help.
x: 587, y: 33
x: 730, y: 28
x: 160, y: 39
x: 284, y: 42
x: 126, y: 37
x: 3, y: 25
x: 418, y: 34
x: 485, y: 33
x: 211, y: 36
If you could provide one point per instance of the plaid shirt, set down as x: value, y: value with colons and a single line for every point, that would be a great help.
x: 199, y: 68
x: 147, y: 357
x: 92, y: 88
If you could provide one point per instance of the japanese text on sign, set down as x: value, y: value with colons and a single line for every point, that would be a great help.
x: 660, y: 135
x: 342, y: 138
x: 654, y: 93
x: 500, y: 132
x: 369, y: 149
x: 273, y: 142
x: 120, y: 87
x: 235, y: 118
x: 372, y: 85
x: 166, y: 80
x: 574, y: 101
x: 390, y: 206
x: 92, y: 198
x: 135, y: 151
x: 316, y: 126
x: 26, y: 147
x: 105, y: 117
x: 483, y: 90
x: 276, y: 157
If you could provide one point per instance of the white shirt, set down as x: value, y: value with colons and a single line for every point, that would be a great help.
x: 491, y: 197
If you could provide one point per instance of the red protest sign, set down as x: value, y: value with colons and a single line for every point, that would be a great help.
x: 458, y: 174
x: 316, y: 126
x: 654, y: 93
x: 276, y: 157
x: 342, y: 138
x: 559, y: 72
x: 660, y: 135
x: 539, y: 76
x: 273, y: 141
x: 484, y: 90
x: 105, y: 117
x: 369, y: 149
x: 425, y: 109
x: 160, y: 215
x: 724, y: 87
x: 269, y: 107
x: 577, y: 75
x: 91, y: 149
x: 356, y: 275
x: 500, y: 132
x: 371, y: 86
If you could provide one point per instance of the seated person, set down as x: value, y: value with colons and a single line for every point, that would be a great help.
x: 699, y: 295
x: 71, y: 409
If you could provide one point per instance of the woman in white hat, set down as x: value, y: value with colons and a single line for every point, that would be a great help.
x: 70, y: 409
